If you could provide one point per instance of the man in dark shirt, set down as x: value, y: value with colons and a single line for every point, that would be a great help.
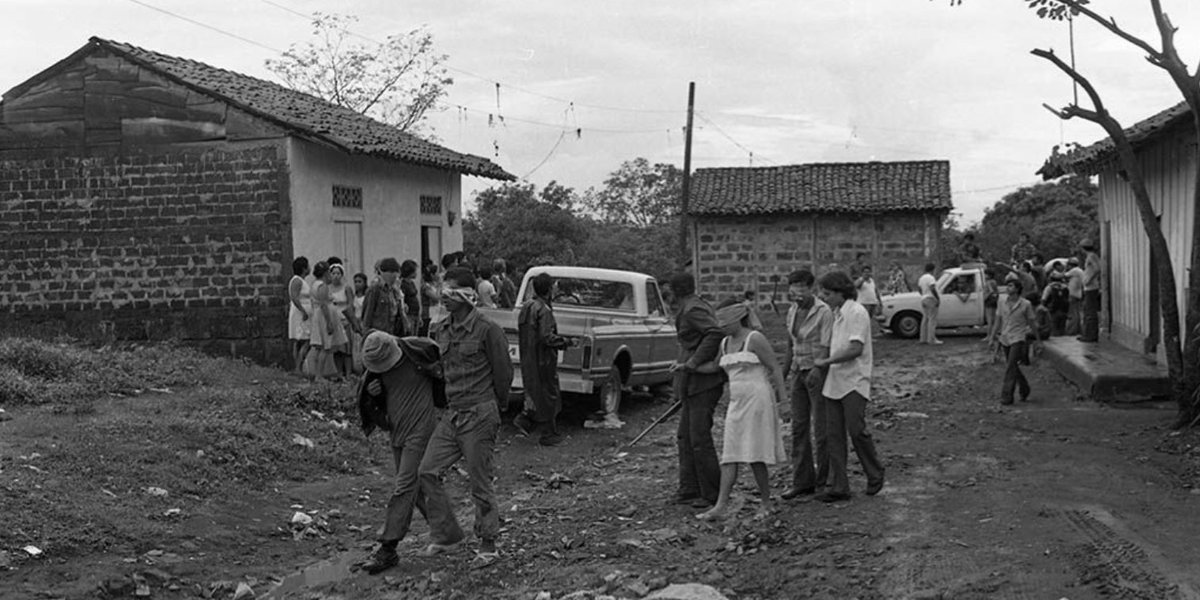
x: 410, y: 417
x: 540, y: 344
x: 699, y: 337
x: 506, y: 290
x: 478, y: 378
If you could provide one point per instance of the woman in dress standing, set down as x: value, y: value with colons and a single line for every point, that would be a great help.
x: 752, y: 431
x: 327, y: 333
x: 299, y: 311
x: 343, y: 308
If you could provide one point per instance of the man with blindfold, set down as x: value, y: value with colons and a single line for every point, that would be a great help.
x: 478, y: 375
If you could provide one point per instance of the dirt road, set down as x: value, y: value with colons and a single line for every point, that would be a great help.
x: 1054, y: 498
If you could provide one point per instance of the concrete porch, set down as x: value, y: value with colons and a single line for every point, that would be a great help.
x: 1106, y: 371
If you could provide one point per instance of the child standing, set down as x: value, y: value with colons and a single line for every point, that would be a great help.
x: 752, y: 431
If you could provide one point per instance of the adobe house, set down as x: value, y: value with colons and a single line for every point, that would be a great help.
x: 146, y: 196
x: 1166, y: 149
x: 751, y: 226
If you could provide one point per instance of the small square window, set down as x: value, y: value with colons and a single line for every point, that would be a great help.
x: 347, y: 197
x: 431, y: 205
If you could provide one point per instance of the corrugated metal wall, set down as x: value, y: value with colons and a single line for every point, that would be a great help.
x: 1170, y: 168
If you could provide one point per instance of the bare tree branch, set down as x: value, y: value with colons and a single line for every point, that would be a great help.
x: 1111, y: 25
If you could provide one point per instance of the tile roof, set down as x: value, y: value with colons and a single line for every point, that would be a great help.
x: 305, y: 115
x: 1090, y: 160
x: 869, y: 187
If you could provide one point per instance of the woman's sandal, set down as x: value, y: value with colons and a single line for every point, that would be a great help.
x: 483, y: 559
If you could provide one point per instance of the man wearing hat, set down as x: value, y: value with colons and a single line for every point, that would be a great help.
x: 382, y: 302
x: 699, y: 337
x: 1092, y: 266
x: 397, y: 396
x: 1056, y: 300
x: 479, y: 376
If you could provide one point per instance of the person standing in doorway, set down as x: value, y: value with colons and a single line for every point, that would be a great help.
x: 848, y: 388
x: 810, y: 329
x: 1017, y: 321
x: 699, y: 338
x: 1092, y: 266
x: 930, y: 301
x: 540, y: 344
x: 479, y: 376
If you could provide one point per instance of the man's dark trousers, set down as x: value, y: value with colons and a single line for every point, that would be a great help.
x: 1017, y: 354
x: 406, y: 493
x: 808, y: 412
x: 1074, y: 316
x: 699, y: 471
x: 1091, y: 315
x: 847, y: 415
x: 541, y: 384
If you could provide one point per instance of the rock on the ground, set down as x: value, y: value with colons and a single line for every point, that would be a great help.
x: 243, y: 592
x: 687, y: 591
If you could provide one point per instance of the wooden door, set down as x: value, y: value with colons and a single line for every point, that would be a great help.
x: 348, y: 244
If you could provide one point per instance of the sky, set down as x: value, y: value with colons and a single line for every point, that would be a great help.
x: 777, y: 83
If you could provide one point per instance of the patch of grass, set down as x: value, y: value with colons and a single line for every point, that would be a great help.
x: 64, y: 372
x: 77, y: 469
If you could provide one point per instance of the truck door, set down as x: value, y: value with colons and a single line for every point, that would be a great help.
x: 663, y: 346
x: 961, y: 301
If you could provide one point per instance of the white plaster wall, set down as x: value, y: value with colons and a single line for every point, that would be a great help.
x: 391, y: 208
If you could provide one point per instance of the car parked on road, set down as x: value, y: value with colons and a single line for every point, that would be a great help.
x: 961, y: 290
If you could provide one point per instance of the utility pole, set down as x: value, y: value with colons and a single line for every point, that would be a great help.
x: 687, y: 177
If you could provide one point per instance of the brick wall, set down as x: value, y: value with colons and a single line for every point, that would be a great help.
x: 191, y: 245
x: 736, y: 254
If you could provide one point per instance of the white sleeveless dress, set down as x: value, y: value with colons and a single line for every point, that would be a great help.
x: 300, y: 328
x: 752, y: 428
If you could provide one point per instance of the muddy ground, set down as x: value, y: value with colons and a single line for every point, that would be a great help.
x: 1054, y: 498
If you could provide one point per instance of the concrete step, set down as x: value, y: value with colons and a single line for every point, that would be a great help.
x: 1106, y: 371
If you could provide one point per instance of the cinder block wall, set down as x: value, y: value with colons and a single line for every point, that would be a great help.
x: 737, y: 254
x: 191, y: 245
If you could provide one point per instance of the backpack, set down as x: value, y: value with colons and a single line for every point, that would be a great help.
x: 1059, y: 300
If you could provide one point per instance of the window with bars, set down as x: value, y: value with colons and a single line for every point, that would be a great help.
x: 345, y: 196
x: 431, y: 205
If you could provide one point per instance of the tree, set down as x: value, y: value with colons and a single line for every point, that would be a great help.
x: 1183, y: 353
x: 396, y: 82
x: 526, y: 227
x: 1055, y: 215
x: 638, y: 194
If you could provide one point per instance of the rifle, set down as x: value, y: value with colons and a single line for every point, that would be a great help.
x: 667, y: 415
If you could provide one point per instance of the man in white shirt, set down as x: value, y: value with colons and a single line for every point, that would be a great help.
x: 930, y: 300
x: 848, y: 388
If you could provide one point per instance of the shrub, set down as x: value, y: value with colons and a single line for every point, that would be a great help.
x: 34, y: 358
x: 16, y: 389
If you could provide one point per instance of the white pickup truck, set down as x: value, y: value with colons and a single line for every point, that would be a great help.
x: 626, y: 337
x: 962, y: 292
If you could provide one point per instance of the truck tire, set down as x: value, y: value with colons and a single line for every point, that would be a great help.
x: 907, y: 324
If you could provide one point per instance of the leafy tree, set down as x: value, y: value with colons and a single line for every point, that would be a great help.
x: 1056, y: 216
x: 652, y: 249
x: 396, y: 82
x: 638, y: 194
x: 1183, y: 353
x: 526, y: 227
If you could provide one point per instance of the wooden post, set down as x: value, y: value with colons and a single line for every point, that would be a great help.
x: 687, y: 179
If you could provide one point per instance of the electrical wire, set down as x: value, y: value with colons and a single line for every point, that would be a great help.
x: 561, y: 136
x: 207, y: 26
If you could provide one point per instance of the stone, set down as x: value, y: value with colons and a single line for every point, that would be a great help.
x: 687, y: 591
x: 244, y: 592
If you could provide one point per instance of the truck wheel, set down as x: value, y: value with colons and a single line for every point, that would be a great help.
x: 907, y: 324
x: 609, y: 396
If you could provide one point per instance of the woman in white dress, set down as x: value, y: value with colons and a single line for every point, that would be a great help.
x: 299, y: 311
x: 752, y: 429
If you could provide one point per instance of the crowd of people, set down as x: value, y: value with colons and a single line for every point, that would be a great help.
x: 438, y: 385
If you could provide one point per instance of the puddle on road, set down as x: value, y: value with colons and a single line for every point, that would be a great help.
x: 326, y: 571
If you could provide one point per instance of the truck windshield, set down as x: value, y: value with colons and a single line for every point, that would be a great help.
x: 590, y: 293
